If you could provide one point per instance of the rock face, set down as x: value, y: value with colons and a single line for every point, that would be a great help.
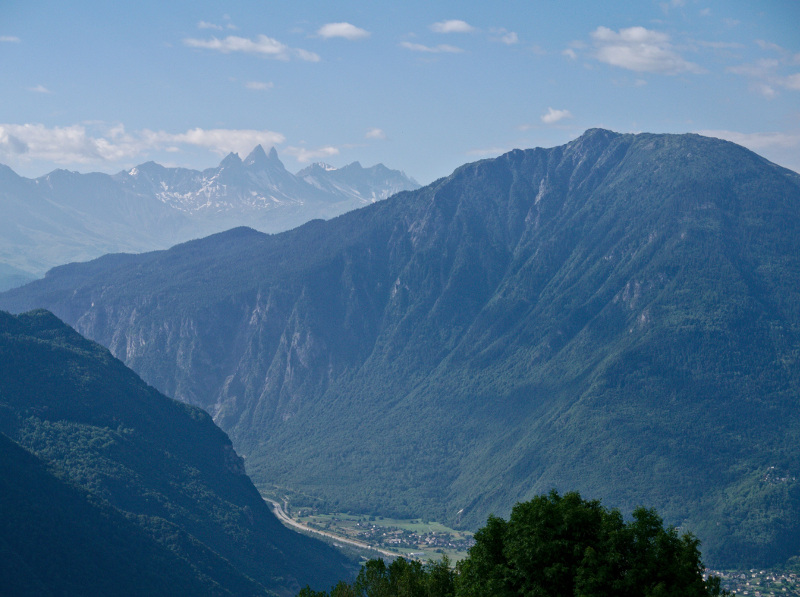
x: 618, y: 316
x: 66, y: 216
x: 163, y: 502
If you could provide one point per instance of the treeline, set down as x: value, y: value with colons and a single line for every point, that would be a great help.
x: 552, y: 545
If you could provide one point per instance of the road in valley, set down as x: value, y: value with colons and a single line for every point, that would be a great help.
x: 287, y: 520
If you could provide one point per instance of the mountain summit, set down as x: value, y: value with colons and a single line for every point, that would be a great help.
x: 619, y: 316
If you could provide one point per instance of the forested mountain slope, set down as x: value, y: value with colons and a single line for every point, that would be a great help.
x: 55, y: 541
x: 162, y: 500
x: 618, y: 316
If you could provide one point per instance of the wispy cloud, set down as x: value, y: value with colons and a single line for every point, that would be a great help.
x: 487, y: 151
x: 345, y: 30
x: 504, y: 36
x: 220, y: 141
x: 554, y: 116
x: 452, y: 26
x: 84, y: 144
x: 10, y: 39
x: 441, y: 48
x: 259, y: 85
x: 640, y: 50
x: 768, y: 75
x: 39, y: 89
x: 262, y: 45
x: 667, y: 6
x: 215, y: 26
x: 304, y: 155
x: 375, y: 133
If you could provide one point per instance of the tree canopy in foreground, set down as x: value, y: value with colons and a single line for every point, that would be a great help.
x: 552, y: 546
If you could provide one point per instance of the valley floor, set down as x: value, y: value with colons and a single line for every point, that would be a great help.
x: 760, y: 583
x: 389, y: 537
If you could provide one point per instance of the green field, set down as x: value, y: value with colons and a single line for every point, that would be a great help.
x: 410, y: 538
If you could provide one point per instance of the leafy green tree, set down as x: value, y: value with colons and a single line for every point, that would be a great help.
x: 565, y: 545
x: 401, y: 578
x: 552, y: 546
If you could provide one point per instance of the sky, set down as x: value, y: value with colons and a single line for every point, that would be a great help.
x: 421, y: 87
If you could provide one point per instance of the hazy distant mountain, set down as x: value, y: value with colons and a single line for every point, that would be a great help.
x: 160, y: 500
x: 363, y: 184
x: 618, y: 316
x: 66, y: 216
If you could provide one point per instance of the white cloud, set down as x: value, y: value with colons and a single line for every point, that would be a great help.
x: 553, y: 116
x: 83, y: 144
x: 306, y: 55
x: 259, y: 85
x: 205, y: 25
x: 570, y: 53
x: 452, y: 26
x: 12, y: 39
x: 640, y: 50
x: 666, y: 6
x: 765, y: 74
x: 262, y: 45
x: 69, y: 144
x: 722, y: 45
x: 221, y: 141
x: 39, y: 89
x: 441, y: 48
x: 303, y: 155
x: 345, y: 30
x: 505, y: 36
x: 768, y: 91
x: 510, y: 38
x: 766, y: 45
x: 375, y: 133
x: 791, y: 82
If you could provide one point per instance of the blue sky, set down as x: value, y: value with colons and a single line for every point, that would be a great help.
x: 419, y: 86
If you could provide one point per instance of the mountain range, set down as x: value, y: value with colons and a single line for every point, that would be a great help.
x: 66, y: 216
x: 109, y: 487
x: 619, y: 316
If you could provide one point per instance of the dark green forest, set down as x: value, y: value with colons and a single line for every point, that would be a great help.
x: 109, y: 487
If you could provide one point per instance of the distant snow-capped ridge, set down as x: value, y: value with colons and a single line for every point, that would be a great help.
x: 261, y: 181
x: 66, y: 216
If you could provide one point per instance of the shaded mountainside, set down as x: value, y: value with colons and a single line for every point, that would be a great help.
x: 66, y: 216
x: 148, y: 471
x: 55, y: 541
x: 618, y: 316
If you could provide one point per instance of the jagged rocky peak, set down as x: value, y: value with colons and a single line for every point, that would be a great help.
x: 316, y: 167
x: 147, y: 168
x: 258, y: 159
x: 231, y: 160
